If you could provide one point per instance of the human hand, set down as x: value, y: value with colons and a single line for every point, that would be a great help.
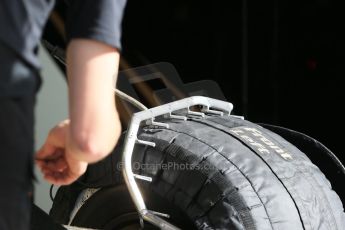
x: 56, y: 161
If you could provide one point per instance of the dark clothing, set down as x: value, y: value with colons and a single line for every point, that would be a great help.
x: 16, y: 151
x: 22, y: 22
x: 42, y: 221
x: 17, y: 78
x: 98, y: 20
x: 21, y: 25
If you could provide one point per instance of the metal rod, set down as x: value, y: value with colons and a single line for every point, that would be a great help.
x: 131, y: 139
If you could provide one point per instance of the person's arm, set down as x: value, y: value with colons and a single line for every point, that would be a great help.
x: 94, y: 127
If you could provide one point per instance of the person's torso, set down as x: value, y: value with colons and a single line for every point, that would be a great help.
x: 21, y: 25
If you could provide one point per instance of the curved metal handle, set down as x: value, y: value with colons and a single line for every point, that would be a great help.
x: 181, y: 104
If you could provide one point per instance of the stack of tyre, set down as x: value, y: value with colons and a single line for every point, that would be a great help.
x: 217, y: 172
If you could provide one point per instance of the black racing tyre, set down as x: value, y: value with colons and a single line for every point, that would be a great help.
x: 319, y: 154
x: 111, y: 208
x: 227, y: 173
x: 118, y: 205
x: 224, y: 173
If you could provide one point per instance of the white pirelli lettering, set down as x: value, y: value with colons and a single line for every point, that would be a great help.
x: 254, y: 131
x: 266, y: 141
x: 250, y: 140
x: 237, y: 131
x: 286, y: 156
x: 243, y: 132
x: 261, y: 148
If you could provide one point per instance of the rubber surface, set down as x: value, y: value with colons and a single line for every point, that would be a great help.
x: 219, y: 173
x: 214, y: 170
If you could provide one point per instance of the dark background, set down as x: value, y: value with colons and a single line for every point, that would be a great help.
x: 278, y: 62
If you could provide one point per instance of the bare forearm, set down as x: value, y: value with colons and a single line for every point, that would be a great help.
x: 94, y: 127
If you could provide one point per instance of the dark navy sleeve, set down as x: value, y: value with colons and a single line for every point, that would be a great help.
x: 95, y: 19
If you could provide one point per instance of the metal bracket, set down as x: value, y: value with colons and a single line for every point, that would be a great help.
x: 141, y: 177
x: 179, y: 117
x: 131, y: 140
x: 196, y: 113
x: 239, y: 117
x: 216, y: 112
x: 149, y: 143
x: 161, y: 124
